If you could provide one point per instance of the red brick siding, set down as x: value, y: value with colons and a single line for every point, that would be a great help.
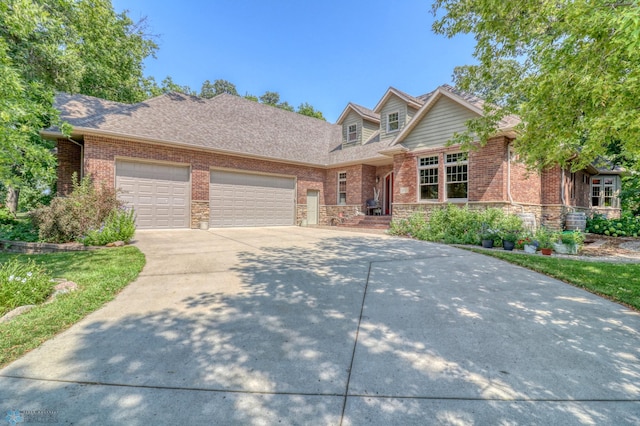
x: 488, y: 171
x: 405, y: 176
x: 550, y: 185
x: 368, y: 183
x: 100, y: 155
x: 526, y: 186
x: 69, y: 162
x: 354, y: 185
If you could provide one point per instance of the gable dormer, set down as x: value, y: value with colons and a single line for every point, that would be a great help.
x: 358, y: 124
x: 396, y: 109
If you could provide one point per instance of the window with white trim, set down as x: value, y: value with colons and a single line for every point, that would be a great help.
x: 456, y: 171
x: 428, y: 170
x: 393, y: 122
x: 342, y: 188
x: 352, y: 133
x: 602, y: 191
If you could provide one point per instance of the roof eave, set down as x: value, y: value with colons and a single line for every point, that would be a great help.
x: 396, y: 149
x: 151, y: 141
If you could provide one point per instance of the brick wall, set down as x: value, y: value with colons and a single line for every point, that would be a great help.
x: 405, y: 178
x: 69, y: 162
x: 550, y: 185
x: 101, y: 153
x: 368, y: 183
x: 526, y: 186
x: 488, y: 171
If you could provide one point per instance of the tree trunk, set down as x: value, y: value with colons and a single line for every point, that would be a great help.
x: 12, y: 199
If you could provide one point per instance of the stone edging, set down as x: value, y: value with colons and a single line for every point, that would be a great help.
x: 8, y: 246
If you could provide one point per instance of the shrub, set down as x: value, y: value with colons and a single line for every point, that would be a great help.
x: 16, y: 228
x: 23, y: 283
x: 71, y: 218
x: 415, y: 226
x: 455, y: 225
x: 119, y: 226
x: 627, y: 226
x: 572, y: 238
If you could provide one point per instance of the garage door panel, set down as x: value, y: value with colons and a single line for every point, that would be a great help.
x: 244, y: 199
x: 150, y: 188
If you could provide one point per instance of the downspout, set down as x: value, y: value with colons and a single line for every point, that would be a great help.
x: 509, y: 179
x: 562, y: 192
x: 81, y: 156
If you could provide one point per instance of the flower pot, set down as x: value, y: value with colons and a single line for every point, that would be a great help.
x: 560, y: 248
x: 546, y: 251
x: 508, y: 245
x: 531, y: 249
x: 487, y: 243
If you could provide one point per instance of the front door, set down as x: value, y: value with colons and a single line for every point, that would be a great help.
x: 312, y: 207
x: 388, y: 193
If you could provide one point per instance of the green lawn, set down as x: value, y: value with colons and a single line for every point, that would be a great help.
x: 100, y: 275
x: 617, y: 281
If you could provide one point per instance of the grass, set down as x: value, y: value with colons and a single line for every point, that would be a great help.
x: 100, y: 276
x: 619, y: 282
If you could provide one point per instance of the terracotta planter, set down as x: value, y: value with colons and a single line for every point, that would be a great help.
x: 546, y: 251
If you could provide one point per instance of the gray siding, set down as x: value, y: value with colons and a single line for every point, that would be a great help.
x: 350, y: 119
x: 394, y: 104
x: 368, y: 129
x: 444, y: 119
x: 411, y: 112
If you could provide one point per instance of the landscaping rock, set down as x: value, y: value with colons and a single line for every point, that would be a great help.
x: 17, y: 311
x: 116, y: 244
x: 63, y: 287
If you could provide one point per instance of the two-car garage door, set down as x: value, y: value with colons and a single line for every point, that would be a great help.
x: 159, y: 193
x: 246, y: 199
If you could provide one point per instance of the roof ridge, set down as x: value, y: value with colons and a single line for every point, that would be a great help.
x: 411, y: 97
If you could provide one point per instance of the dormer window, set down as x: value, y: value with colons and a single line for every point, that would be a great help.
x: 393, y: 122
x: 352, y: 133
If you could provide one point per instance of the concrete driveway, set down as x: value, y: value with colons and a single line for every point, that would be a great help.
x: 311, y: 326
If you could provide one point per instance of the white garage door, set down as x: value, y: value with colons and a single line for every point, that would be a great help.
x: 244, y: 199
x: 159, y: 193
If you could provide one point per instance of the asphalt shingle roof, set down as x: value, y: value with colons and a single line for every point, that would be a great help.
x: 366, y: 112
x: 225, y: 122
x: 230, y: 124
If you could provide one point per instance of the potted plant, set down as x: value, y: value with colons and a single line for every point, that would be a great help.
x: 568, y: 242
x: 545, y: 241
x: 509, y: 238
x: 488, y: 236
x: 527, y: 244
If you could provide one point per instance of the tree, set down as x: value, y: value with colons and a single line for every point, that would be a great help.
x: 286, y: 106
x: 76, y: 46
x: 569, y: 70
x: 218, y: 87
x: 168, y: 85
x: 250, y: 97
x: 270, y: 98
x: 308, y: 110
x: 25, y: 159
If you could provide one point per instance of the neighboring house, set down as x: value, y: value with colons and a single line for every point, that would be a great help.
x: 227, y: 161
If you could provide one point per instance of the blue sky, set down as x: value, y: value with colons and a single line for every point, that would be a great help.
x: 327, y: 53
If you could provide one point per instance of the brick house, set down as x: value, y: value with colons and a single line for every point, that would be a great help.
x: 227, y: 161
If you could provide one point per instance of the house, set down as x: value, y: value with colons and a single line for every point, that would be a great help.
x: 182, y: 161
